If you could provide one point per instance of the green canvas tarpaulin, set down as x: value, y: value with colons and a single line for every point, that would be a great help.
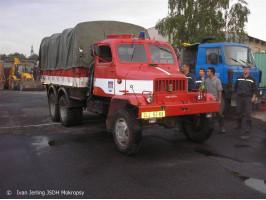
x: 71, y: 48
x: 54, y: 41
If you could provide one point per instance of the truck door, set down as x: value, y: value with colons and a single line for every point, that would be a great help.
x: 104, y: 74
x: 213, y: 58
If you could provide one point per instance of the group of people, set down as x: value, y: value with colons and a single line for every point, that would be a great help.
x: 244, y: 88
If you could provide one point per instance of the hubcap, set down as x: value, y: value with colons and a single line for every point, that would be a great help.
x: 122, y: 132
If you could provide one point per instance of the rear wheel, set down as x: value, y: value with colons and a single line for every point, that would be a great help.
x: 197, y: 128
x: 69, y: 116
x: 65, y: 112
x: 53, y: 108
x: 126, y: 132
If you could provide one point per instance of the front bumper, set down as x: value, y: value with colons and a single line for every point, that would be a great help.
x: 174, y: 109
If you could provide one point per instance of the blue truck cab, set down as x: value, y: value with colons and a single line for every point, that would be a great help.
x: 228, y: 60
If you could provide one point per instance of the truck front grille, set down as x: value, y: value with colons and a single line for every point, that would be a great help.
x: 163, y: 85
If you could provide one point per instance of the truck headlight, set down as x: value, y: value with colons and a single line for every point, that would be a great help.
x: 200, y: 96
x: 150, y: 98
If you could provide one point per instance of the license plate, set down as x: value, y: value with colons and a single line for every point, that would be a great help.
x: 154, y: 114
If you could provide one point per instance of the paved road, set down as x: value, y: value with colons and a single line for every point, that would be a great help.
x: 42, y: 159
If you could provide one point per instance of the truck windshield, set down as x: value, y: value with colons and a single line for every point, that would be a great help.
x: 131, y: 53
x: 237, y: 53
x: 161, y: 54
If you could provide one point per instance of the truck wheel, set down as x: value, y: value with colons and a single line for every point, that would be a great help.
x: 197, y: 128
x: 66, y: 113
x: 53, y: 108
x: 126, y: 132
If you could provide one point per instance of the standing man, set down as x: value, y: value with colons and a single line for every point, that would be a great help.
x: 200, y: 82
x: 191, y: 80
x: 245, y: 88
x: 213, y: 86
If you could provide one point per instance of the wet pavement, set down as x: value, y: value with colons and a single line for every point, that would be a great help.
x: 42, y: 159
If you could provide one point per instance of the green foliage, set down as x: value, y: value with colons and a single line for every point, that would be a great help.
x: 237, y: 18
x: 19, y: 56
x: 3, y: 56
x: 191, y: 20
x: 33, y: 57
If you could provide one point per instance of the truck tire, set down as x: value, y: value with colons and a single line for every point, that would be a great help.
x: 67, y: 114
x: 53, y: 108
x: 126, y: 131
x: 197, y: 128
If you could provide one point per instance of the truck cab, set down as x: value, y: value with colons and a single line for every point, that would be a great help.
x: 227, y: 58
x: 143, y: 73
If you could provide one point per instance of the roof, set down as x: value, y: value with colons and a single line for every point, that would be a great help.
x: 222, y: 44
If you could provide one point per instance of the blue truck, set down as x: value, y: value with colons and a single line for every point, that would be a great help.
x: 228, y: 60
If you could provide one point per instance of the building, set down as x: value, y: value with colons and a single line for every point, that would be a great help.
x: 256, y: 45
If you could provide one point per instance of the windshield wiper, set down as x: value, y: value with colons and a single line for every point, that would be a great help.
x: 236, y: 61
x: 248, y: 62
x: 166, y: 50
x: 134, y: 47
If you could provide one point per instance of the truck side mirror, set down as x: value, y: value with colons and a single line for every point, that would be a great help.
x: 94, y: 50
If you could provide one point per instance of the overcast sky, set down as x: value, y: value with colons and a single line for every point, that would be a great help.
x: 24, y: 23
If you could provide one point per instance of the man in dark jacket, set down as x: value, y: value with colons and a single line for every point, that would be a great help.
x: 191, y: 80
x: 245, y: 88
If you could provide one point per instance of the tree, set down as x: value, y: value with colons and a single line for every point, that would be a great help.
x: 191, y: 20
x: 20, y: 56
x: 33, y: 57
x: 3, y: 56
x: 237, y: 17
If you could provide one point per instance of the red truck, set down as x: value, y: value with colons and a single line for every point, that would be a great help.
x: 132, y: 81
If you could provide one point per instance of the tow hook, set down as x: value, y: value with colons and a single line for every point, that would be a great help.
x: 184, y: 109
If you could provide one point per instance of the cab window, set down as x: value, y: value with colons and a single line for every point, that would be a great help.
x: 105, y: 54
x: 211, y: 56
x: 161, y: 54
x: 130, y: 53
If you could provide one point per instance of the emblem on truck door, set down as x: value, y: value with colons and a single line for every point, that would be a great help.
x: 110, y: 86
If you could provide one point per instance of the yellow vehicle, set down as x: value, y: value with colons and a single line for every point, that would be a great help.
x: 21, y: 77
x: 2, y: 76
